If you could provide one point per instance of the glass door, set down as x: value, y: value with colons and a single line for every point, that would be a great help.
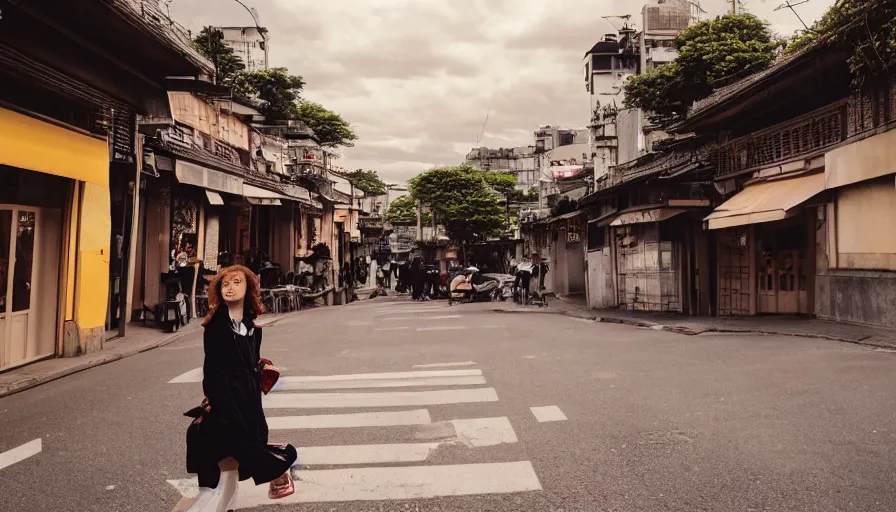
x: 17, y: 256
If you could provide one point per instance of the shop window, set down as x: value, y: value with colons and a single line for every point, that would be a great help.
x: 21, y: 289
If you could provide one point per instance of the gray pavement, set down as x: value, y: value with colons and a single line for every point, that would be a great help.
x: 655, y: 420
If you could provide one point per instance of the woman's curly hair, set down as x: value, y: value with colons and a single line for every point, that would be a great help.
x: 252, y: 302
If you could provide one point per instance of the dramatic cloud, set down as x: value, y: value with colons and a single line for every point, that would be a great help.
x: 416, y: 78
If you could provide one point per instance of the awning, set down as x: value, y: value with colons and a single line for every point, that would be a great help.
x: 566, y: 216
x: 29, y: 143
x: 646, y: 216
x: 214, y: 198
x: 604, y: 220
x: 260, y: 196
x: 189, y: 173
x: 766, y: 202
x: 263, y: 201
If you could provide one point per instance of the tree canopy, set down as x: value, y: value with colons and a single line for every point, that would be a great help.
x: 331, y: 129
x: 867, y: 26
x: 403, y: 210
x: 504, y: 183
x: 711, y: 53
x: 461, y: 200
x: 210, y: 43
x: 277, y: 90
x: 368, y: 182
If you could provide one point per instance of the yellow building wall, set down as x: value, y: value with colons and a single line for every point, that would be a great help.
x: 92, y: 278
x: 29, y: 143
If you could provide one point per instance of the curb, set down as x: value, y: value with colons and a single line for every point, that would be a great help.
x: 688, y: 331
x: 101, y: 359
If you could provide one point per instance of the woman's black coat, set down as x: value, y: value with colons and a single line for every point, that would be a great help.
x: 235, y: 426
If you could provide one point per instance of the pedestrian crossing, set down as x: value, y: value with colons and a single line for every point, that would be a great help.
x: 400, y: 469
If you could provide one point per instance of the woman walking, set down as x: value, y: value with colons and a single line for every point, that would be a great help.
x: 228, y: 440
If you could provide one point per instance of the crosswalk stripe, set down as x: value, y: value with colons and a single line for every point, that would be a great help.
x: 365, y: 454
x: 361, y: 419
x: 444, y: 328
x: 389, y: 312
x: 194, y: 375
x: 386, y: 375
x: 379, y: 383
x: 390, y: 483
x: 382, y: 399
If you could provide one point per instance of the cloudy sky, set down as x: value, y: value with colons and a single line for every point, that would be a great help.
x: 416, y: 78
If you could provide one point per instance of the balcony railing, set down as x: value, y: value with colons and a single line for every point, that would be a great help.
x: 784, y: 142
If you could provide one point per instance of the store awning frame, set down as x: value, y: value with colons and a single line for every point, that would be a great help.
x: 646, y: 216
x: 767, y: 201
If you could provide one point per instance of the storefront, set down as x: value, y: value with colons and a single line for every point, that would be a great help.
x: 766, y: 247
x: 54, y: 226
x: 649, y: 259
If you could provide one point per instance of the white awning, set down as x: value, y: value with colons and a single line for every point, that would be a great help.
x: 214, y: 198
x: 260, y: 196
x: 766, y: 202
x: 189, y: 173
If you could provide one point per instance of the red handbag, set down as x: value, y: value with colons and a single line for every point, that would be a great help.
x: 269, y: 374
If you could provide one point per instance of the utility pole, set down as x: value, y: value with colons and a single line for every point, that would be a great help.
x: 733, y: 6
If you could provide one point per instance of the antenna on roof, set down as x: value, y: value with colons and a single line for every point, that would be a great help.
x: 791, y: 6
x: 482, y: 131
x: 625, y: 22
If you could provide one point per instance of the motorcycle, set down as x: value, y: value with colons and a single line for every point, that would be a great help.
x: 470, y: 286
x: 504, y: 289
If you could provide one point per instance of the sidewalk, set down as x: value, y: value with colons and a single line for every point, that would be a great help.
x: 694, y: 325
x: 139, y: 339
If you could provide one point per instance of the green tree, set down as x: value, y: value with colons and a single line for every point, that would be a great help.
x: 277, y: 90
x: 368, y: 182
x: 504, y: 183
x: 461, y: 200
x: 331, y: 129
x: 210, y: 43
x: 403, y: 210
x: 710, y: 54
x: 866, y: 26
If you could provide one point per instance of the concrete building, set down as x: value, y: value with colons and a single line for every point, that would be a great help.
x: 251, y: 44
x: 661, y: 22
x: 520, y: 161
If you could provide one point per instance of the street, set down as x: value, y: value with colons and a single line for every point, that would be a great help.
x: 397, y: 405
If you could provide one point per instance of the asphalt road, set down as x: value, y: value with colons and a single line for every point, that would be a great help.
x: 654, y: 420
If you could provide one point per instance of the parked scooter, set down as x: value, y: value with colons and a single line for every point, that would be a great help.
x: 469, y: 285
x: 528, y: 285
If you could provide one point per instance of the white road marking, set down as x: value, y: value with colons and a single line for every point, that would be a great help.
x: 407, y: 311
x: 365, y: 454
x: 389, y: 483
x: 380, y: 383
x: 20, y: 453
x: 549, y: 413
x: 583, y: 320
x: 444, y: 365
x: 358, y: 324
x: 473, y: 433
x: 382, y: 399
x: 392, y: 329
x: 194, y: 375
x: 444, y: 317
x: 400, y: 318
x: 363, y: 419
x: 478, y: 432
x: 444, y: 328
x: 492, y: 327
x: 387, y: 375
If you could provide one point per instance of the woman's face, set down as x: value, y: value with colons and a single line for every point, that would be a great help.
x: 233, y: 287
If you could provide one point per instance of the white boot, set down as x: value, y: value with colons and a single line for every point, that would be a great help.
x: 207, y: 501
x: 229, y: 484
